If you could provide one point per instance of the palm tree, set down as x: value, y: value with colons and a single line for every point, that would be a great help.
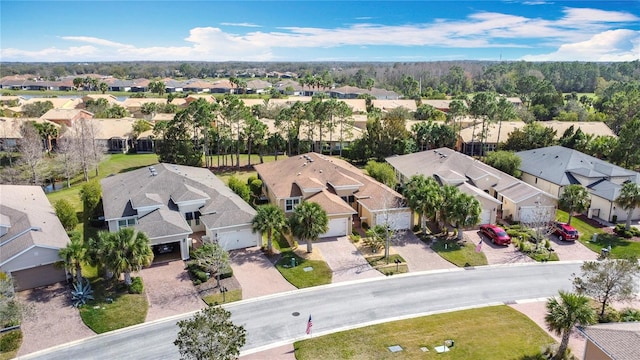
x: 575, y: 198
x: 269, y: 218
x: 562, y: 315
x: 308, y: 222
x: 505, y: 111
x: 629, y: 199
x: 103, y: 86
x: 97, y: 250
x: 423, y: 195
x: 129, y: 250
x: 73, y: 255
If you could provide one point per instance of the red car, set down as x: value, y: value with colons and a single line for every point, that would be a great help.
x: 496, y: 234
x: 565, y: 232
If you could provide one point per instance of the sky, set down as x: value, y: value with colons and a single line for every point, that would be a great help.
x: 302, y: 30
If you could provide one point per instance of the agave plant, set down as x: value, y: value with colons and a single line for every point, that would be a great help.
x: 81, y: 293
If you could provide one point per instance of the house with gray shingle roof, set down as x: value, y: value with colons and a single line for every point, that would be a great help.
x: 30, y: 237
x: 553, y: 168
x: 170, y: 202
x: 501, y: 195
x: 341, y: 189
x: 612, y: 341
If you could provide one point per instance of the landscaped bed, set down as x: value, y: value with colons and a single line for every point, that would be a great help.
x: 303, y: 273
x: 459, y: 253
x: 113, y: 307
x: 498, y: 332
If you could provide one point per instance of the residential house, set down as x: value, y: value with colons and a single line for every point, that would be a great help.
x: 140, y: 85
x: 119, y: 85
x: 469, y: 140
x: 502, y: 196
x: 31, y: 236
x: 442, y: 105
x: 342, y: 190
x: 170, y: 202
x: 612, y: 341
x: 222, y: 87
x: 258, y: 86
x: 10, y: 133
x: 347, y: 92
x: 386, y: 105
x: 115, y: 136
x: 197, y: 86
x: 66, y: 116
x: 553, y: 168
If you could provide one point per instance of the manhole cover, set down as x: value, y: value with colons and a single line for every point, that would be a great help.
x: 295, y: 313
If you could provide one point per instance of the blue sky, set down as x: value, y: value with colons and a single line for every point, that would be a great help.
x: 397, y: 31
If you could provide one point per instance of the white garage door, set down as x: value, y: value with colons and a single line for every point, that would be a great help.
x: 337, y: 227
x: 537, y: 214
x: 240, y: 239
x: 485, y: 216
x: 396, y: 220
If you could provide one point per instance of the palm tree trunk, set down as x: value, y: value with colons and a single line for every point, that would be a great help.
x: 628, y: 223
x: 269, y: 243
x: 563, y: 345
x: 127, y: 278
x: 309, y: 246
x: 78, y: 273
x: 570, y: 216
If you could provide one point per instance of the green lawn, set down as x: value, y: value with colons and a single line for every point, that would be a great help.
x: 217, y: 298
x: 459, y: 255
x: 620, y: 247
x: 390, y: 267
x: 320, y: 275
x: 497, y: 332
x: 124, y: 310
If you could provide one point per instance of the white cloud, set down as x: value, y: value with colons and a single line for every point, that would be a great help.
x: 239, y: 24
x: 612, y: 45
x: 580, y: 34
x: 96, y: 41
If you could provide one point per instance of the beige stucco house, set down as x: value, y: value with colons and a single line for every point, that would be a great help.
x: 552, y: 168
x: 501, y: 195
x: 341, y: 189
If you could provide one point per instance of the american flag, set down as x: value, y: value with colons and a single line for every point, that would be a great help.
x: 309, y: 325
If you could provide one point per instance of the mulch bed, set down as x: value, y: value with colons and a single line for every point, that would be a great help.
x: 209, y: 287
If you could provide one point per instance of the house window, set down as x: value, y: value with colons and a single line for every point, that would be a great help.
x: 193, y: 216
x: 290, y: 204
x: 126, y: 223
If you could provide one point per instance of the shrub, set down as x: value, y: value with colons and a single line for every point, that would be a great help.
x: 610, y: 315
x: 629, y: 315
x: 81, y: 293
x: 10, y: 341
x: 627, y: 234
x: 66, y: 213
x: 136, y: 286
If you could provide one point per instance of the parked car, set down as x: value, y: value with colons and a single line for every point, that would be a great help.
x: 496, y: 234
x: 565, y: 232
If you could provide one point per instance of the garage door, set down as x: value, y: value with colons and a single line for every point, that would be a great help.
x: 485, y: 216
x: 397, y: 220
x: 240, y: 239
x: 337, y: 227
x: 537, y: 214
x: 37, y: 276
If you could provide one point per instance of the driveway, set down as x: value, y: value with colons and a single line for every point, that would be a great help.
x: 571, y: 250
x: 418, y: 255
x: 344, y: 259
x: 49, y: 319
x: 497, y: 254
x: 256, y: 274
x: 169, y: 290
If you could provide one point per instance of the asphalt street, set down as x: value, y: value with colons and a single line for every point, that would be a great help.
x: 282, y: 318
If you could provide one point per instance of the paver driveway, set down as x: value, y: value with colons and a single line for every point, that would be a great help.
x: 496, y: 254
x: 169, y: 290
x: 50, y: 319
x: 418, y: 255
x: 344, y: 259
x: 256, y: 274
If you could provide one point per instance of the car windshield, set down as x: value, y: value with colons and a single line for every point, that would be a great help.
x: 572, y: 232
x: 501, y: 233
